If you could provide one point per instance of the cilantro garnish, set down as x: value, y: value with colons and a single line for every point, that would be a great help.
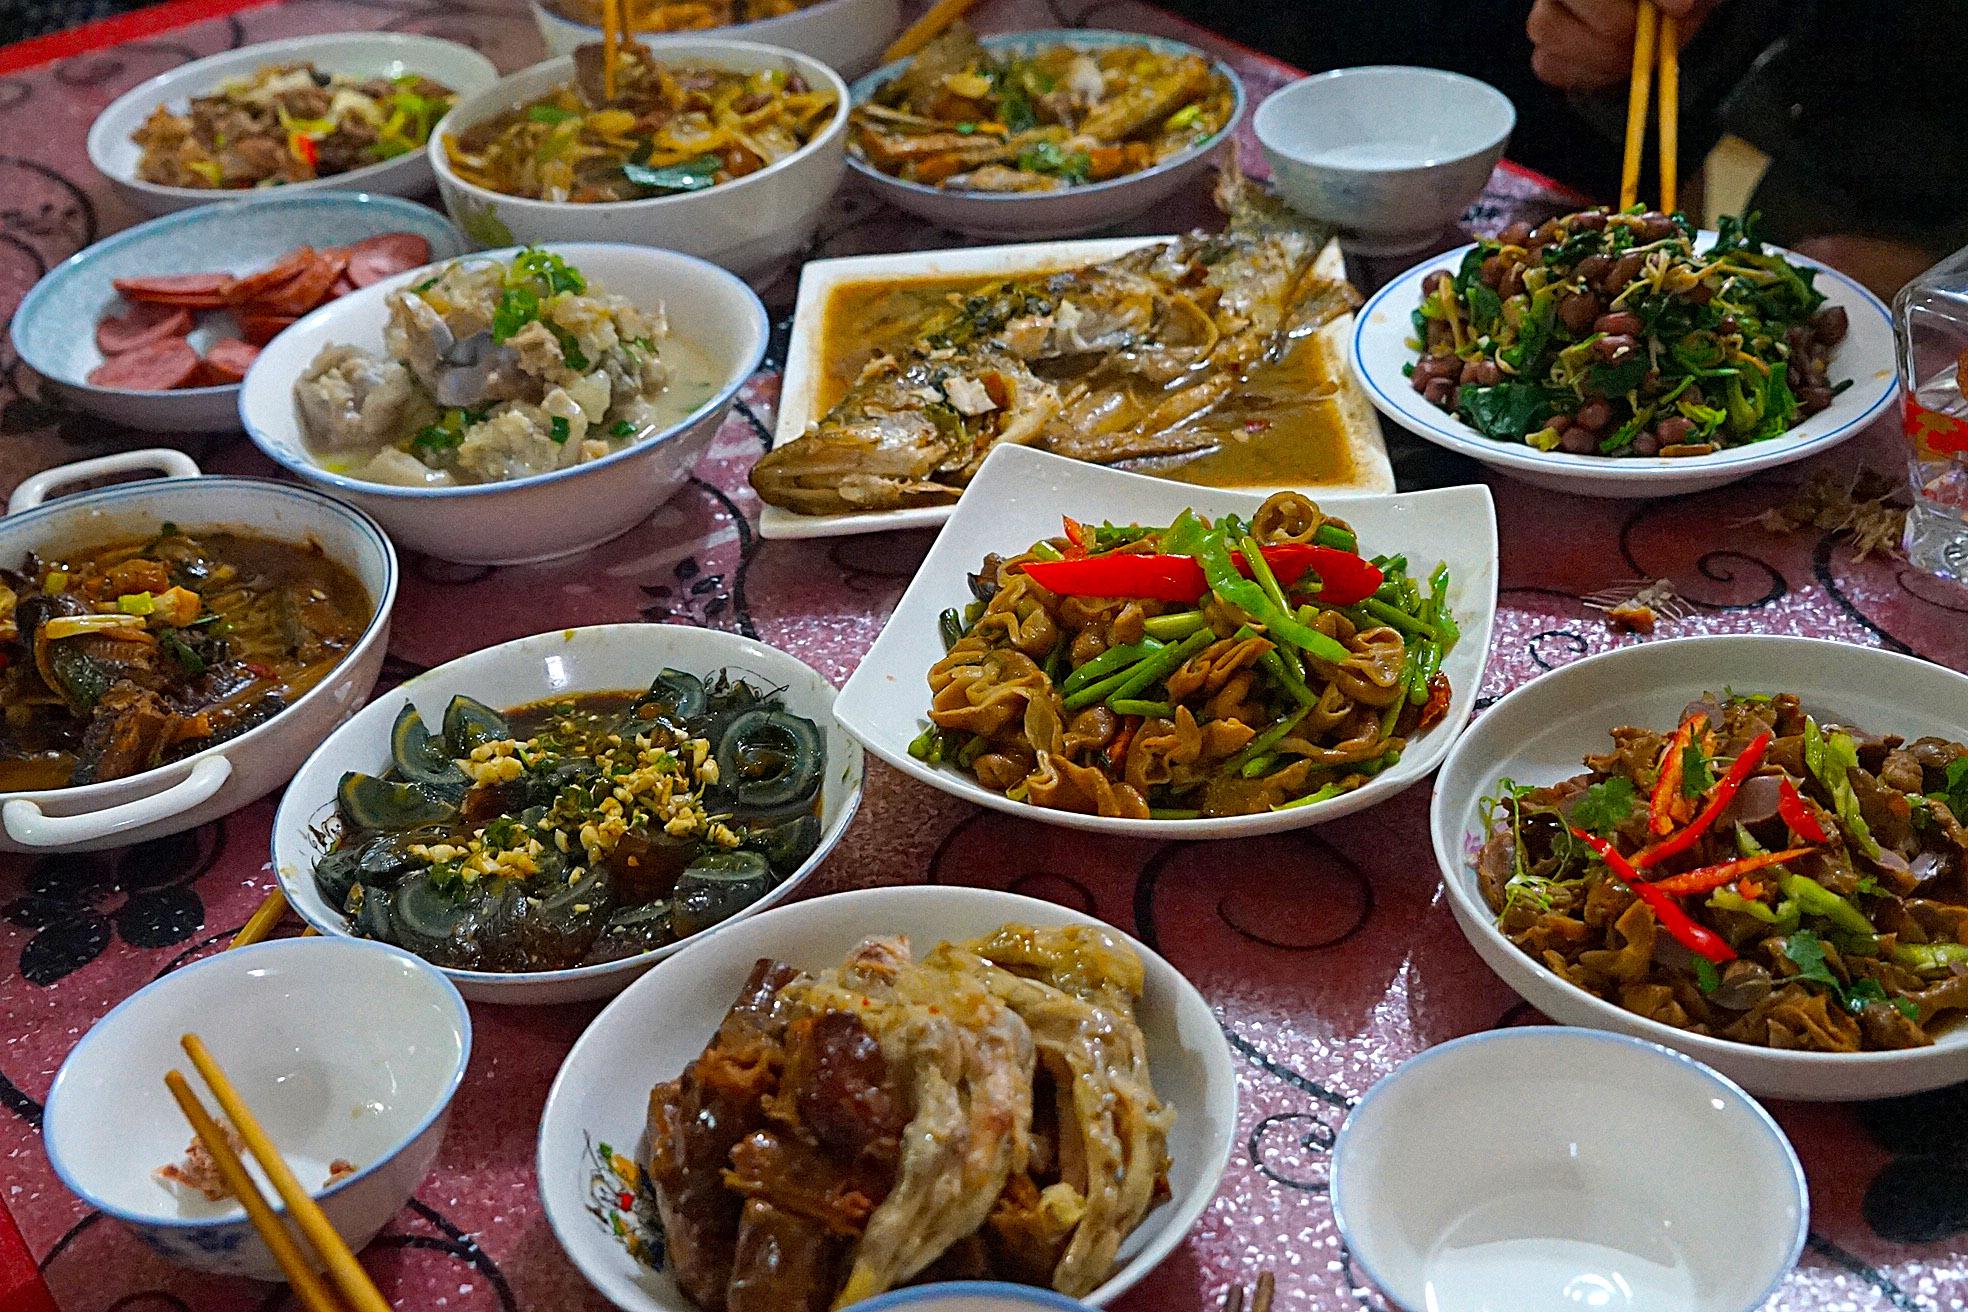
x: 1696, y: 777
x: 1605, y: 805
x: 559, y: 430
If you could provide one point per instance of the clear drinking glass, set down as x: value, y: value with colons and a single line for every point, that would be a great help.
x: 1930, y: 321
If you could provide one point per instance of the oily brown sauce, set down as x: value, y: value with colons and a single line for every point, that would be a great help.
x: 1281, y: 430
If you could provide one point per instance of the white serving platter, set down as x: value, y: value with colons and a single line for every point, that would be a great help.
x: 1018, y: 498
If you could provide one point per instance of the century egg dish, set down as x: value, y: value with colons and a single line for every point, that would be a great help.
x: 577, y: 830
x: 118, y: 659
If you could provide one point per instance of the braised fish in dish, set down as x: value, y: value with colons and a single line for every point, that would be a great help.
x: 1197, y: 669
x: 115, y: 660
x: 577, y: 830
x: 1755, y: 873
x: 1143, y: 357
x: 984, y: 1110
x: 967, y: 118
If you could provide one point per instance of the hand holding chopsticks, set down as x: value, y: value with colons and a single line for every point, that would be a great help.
x: 347, y: 1274
x: 1656, y: 43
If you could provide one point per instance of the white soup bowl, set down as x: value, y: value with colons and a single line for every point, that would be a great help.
x: 342, y: 1050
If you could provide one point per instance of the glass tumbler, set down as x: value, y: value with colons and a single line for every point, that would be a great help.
x: 1930, y: 324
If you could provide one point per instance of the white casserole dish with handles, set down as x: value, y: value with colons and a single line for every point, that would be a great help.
x: 226, y: 776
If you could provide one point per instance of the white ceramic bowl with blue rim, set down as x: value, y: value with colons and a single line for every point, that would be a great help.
x: 1389, y: 155
x: 662, y: 1022
x: 542, y: 515
x: 1382, y: 331
x: 54, y: 330
x: 604, y: 658
x: 1529, y: 1168
x: 846, y: 35
x: 754, y: 225
x: 1017, y: 498
x: 1542, y: 731
x: 971, y: 1296
x: 1069, y: 211
x: 202, y: 787
x: 358, y: 54
x: 343, y: 1050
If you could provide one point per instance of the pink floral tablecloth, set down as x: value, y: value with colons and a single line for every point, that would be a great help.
x: 1328, y: 953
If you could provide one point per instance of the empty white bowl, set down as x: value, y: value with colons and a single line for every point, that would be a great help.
x: 542, y: 515
x: 342, y: 1049
x: 605, y: 658
x: 1551, y: 1169
x: 846, y: 35
x: 751, y: 225
x: 1389, y: 155
x: 359, y: 54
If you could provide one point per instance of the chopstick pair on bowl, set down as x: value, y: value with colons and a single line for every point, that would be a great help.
x: 1656, y: 44
x: 356, y: 1290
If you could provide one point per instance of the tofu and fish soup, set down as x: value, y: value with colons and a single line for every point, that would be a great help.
x: 119, y: 659
x: 578, y: 830
x: 1170, y: 353
x: 495, y: 370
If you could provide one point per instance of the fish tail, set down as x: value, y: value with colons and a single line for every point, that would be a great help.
x: 1251, y: 207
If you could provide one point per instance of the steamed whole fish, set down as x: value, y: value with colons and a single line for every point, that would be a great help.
x: 1115, y: 361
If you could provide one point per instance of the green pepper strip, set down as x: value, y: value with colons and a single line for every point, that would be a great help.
x: 1428, y: 659
x: 1266, y: 740
x: 1135, y: 706
x: 1159, y: 665
x: 1211, y: 549
x: 1261, y: 574
x: 1175, y: 627
x: 1150, y: 664
x: 1930, y: 956
x: 1107, y: 662
x: 1817, y: 900
x: 1325, y: 794
x: 1400, y: 619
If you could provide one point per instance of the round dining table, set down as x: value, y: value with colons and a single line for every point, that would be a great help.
x: 1329, y: 954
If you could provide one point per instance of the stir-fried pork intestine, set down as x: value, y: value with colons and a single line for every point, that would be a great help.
x: 907, y: 1138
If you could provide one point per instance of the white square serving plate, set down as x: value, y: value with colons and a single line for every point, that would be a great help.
x: 1018, y: 498
x: 802, y: 386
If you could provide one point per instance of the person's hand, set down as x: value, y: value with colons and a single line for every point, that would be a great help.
x: 1587, y: 45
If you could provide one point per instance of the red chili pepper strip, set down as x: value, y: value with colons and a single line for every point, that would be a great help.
x: 1667, y: 780
x: 1718, y: 802
x: 1075, y: 534
x: 1802, y: 821
x: 1345, y: 577
x: 304, y: 149
x: 1678, y: 924
x: 1709, y: 878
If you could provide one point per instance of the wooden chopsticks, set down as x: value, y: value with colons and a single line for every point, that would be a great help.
x: 926, y: 29
x: 262, y: 921
x: 611, y: 44
x: 1656, y: 44
x: 357, y: 1292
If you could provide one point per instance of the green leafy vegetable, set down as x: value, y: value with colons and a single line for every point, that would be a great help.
x: 1211, y: 548
x: 1696, y: 777
x: 518, y: 306
x: 559, y: 430
x: 1507, y: 411
x: 1603, y: 807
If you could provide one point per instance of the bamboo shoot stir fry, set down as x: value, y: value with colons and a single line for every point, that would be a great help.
x: 1754, y: 874
x: 665, y: 129
x: 964, y: 117
x: 1197, y: 669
